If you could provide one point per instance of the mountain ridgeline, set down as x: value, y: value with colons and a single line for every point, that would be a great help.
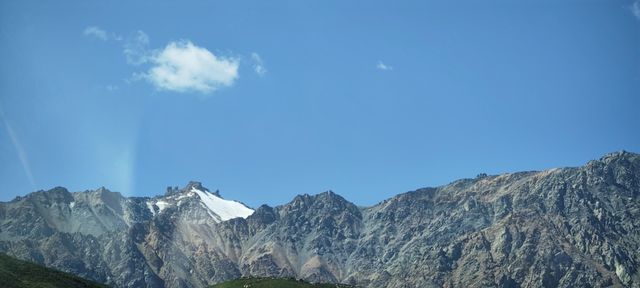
x: 566, y: 227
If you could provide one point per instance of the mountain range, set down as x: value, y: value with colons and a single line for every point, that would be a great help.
x: 564, y: 227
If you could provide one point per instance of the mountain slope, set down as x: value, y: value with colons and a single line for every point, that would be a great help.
x: 15, y: 273
x: 562, y: 227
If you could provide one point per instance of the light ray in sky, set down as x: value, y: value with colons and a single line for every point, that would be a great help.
x: 22, y: 154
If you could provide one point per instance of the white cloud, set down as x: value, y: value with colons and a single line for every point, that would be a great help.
x: 181, y: 66
x: 258, y: 64
x: 635, y: 8
x: 383, y: 66
x: 136, y: 48
x: 184, y: 67
x: 97, y: 32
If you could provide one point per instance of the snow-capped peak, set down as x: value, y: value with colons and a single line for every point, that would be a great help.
x: 218, y: 208
x: 225, y: 209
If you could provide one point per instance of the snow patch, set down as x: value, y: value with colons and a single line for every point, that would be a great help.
x: 225, y: 209
x: 185, y: 195
x: 161, y: 205
x: 72, y: 204
x: 150, y: 206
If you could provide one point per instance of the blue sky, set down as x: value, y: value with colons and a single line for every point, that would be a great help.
x: 265, y: 100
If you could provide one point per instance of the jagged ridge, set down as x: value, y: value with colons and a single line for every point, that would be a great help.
x: 561, y: 227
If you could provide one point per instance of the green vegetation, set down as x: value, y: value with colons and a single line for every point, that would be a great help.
x: 273, y: 283
x: 16, y: 273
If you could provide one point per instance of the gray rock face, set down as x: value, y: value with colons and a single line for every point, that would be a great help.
x: 569, y: 227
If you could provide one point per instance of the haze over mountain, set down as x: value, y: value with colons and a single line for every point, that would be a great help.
x: 564, y: 227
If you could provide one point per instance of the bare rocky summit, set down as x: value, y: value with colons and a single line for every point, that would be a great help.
x: 566, y: 227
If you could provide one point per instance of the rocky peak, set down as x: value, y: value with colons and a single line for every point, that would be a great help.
x: 324, y: 205
x: 103, y: 196
x: 190, y: 186
x: 617, y: 155
x: 59, y: 190
x: 172, y: 191
x: 195, y: 201
x: 617, y: 168
x: 262, y: 216
x: 325, y: 197
x: 57, y: 194
x: 332, y: 200
x: 103, y: 192
x: 622, y: 157
x: 196, y: 185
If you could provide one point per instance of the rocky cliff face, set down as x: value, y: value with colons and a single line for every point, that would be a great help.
x: 569, y: 227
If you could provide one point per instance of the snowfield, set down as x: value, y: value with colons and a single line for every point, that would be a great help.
x: 226, y: 209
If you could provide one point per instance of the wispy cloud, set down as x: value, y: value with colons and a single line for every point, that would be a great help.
x: 101, y: 34
x: 136, y: 48
x: 184, y: 67
x: 258, y: 64
x: 96, y: 32
x: 382, y: 66
x: 635, y: 9
x: 22, y: 154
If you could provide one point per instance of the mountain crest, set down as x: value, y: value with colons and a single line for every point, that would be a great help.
x: 564, y: 227
x: 195, y: 184
x: 189, y: 188
x: 195, y: 194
